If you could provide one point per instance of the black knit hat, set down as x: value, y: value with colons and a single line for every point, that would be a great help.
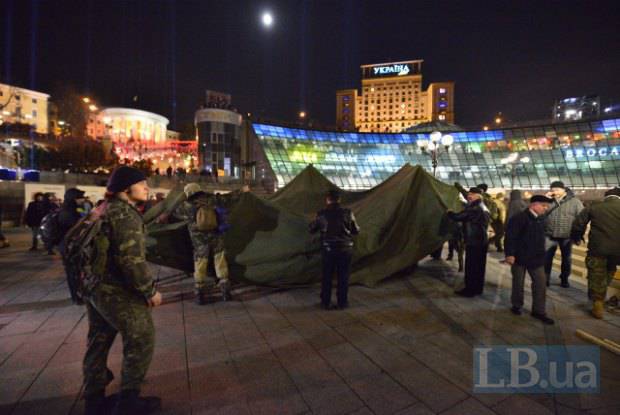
x: 613, y: 192
x: 540, y: 199
x: 333, y: 195
x: 557, y: 183
x: 483, y: 186
x: 74, y: 193
x: 476, y: 190
x: 123, y: 177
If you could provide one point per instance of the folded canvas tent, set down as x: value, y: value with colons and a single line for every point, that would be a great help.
x: 402, y: 220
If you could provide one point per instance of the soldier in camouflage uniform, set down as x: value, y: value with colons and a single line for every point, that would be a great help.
x: 603, y: 245
x: 122, y: 302
x: 205, y: 243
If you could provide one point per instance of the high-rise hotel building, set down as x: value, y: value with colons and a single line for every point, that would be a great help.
x: 392, y: 99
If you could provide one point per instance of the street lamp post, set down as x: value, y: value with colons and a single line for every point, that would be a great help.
x: 511, y: 162
x: 435, y: 146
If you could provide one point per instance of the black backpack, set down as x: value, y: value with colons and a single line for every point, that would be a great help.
x: 50, y: 229
x: 86, y: 253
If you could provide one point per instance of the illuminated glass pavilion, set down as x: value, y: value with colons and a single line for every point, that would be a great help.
x: 584, y: 154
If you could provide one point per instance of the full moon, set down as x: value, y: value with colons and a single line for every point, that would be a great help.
x: 267, y: 19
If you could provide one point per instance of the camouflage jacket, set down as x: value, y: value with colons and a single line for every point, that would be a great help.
x: 127, y: 260
x: 201, y: 241
x: 604, y: 219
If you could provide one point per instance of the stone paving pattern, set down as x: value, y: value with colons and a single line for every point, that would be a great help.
x: 404, y: 347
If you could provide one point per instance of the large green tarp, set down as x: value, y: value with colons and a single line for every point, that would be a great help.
x: 402, y: 220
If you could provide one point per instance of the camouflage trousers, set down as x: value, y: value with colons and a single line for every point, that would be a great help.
x: 215, y: 247
x: 601, y: 271
x: 112, y: 309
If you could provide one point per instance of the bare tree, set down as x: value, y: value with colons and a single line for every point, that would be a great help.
x: 12, y: 93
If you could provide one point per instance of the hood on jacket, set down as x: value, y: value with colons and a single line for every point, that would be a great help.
x: 71, y: 195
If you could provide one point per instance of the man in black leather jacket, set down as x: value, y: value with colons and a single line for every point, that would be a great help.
x: 337, y: 226
x: 475, y: 218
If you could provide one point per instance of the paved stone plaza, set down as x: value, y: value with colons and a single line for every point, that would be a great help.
x: 404, y: 347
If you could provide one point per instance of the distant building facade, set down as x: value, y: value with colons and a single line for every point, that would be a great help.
x: 218, y: 128
x: 392, y: 99
x: 577, y: 108
x: 24, y: 106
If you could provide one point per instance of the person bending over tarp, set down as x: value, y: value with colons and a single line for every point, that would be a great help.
x: 206, y: 225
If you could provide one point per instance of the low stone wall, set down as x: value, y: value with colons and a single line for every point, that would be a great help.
x: 12, y: 193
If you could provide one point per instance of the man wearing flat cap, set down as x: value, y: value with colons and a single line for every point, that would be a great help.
x: 525, y: 251
x: 560, y: 217
x: 475, y: 218
x: 603, y: 255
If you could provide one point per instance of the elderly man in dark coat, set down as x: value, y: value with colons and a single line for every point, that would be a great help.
x: 525, y: 251
x: 475, y: 218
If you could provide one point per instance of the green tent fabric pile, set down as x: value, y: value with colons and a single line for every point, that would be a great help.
x: 402, y: 220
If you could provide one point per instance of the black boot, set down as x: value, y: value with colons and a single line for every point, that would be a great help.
x: 201, y: 298
x: 130, y: 403
x: 95, y: 404
x: 225, y: 287
x: 564, y: 283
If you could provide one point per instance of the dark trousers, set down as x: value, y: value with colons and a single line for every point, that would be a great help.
x: 72, y: 284
x: 498, y: 229
x: 539, y: 287
x: 338, y: 261
x: 566, y: 247
x: 458, y: 245
x: 475, y: 268
x: 35, y: 234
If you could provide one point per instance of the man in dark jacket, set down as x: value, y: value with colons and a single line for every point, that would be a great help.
x: 67, y: 218
x: 35, y: 212
x: 525, y: 251
x: 560, y: 218
x: 475, y: 218
x: 337, y: 226
x: 603, y: 245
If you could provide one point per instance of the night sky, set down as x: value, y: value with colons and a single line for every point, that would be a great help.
x: 509, y: 56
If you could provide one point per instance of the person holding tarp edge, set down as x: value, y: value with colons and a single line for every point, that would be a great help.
x: 475, y: 218
x: 337, y: 226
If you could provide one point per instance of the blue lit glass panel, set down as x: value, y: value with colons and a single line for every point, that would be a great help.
x: 580, y: 153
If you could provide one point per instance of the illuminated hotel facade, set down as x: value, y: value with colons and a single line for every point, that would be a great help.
x: 583, y: 154
x: 392, y: 99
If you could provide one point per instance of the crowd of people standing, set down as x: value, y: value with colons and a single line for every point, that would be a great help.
x: 532, y: 232
x: 527, y: 230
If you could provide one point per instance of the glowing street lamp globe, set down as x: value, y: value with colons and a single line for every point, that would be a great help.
x: 447, y: 140
x: 435, y: 136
